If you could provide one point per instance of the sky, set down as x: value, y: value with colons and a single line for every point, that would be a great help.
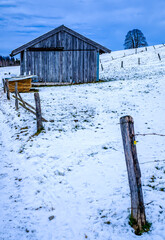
x: 104, y: 21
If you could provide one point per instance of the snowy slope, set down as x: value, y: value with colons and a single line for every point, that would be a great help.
x: 150, y: 65
x: 70, y: 182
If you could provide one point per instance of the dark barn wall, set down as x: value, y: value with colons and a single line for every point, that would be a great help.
x: 62, y: 66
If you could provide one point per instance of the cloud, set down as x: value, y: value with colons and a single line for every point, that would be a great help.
x: 106, y: 21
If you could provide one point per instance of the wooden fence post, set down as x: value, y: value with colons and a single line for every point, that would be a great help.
x: 139, y: 61
x: 134, y: 173
x: 38, y: 112
x: 159, y: 57
x: 135, y: 50
x: 4, y: 85
x: 121, y: 64
x: 7, y: 88
x: 16, y: 96
x: 102, y: 67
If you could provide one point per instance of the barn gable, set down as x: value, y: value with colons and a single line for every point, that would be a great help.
x: 56, y: 31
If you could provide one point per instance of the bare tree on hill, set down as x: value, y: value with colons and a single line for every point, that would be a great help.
x: 135, y: 39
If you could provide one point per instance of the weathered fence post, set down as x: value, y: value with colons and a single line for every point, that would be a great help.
x: 159, y: 57
x: 7, y: 88
x: 121, y: 64
x: 38, y: 112
x: 16, y: 96
x: 134, y: 173
x: 135, y: 50
x: 102, y: 67
x: 4, y: 85
x: 146, y: 48
x: 139, y: 61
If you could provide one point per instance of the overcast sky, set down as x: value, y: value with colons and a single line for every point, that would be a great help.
x: 104, y: 21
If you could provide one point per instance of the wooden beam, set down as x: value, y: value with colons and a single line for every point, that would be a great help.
x: 43, y: 119
x: 22, y: 103
x: 41, y: 49
x: 59, y: 49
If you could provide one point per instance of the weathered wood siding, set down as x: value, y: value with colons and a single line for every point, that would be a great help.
x: 62, y: 66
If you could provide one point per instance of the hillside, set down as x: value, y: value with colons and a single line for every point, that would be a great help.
x: 150, y: 64
x: 70, y: 182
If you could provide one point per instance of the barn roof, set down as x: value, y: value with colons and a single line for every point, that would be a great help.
x: 54, y: 31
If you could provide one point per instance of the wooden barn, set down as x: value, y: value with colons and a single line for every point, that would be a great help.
x: 61, y: 56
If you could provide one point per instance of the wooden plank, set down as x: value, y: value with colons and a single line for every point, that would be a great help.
x: 76, y: 61
x: 64, y: 72
x: 21, y: 98
x: 88, y: 71
x: 25, y: 61
x: 62, y: 58
x: 85, y: 63
x: 22, y: 63
x: 40, y: 71
x: 24, y: 103
x: 97, y: 66
x: 79, y: 62
x: 56, y: 60
x: 69, y: 59
x: 73, y: 61
x: 33, y: 112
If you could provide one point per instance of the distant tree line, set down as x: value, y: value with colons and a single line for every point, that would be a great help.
x: 9, y: 61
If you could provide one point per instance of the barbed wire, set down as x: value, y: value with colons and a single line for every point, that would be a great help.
x: 145, y: 134
x: 163, y: 160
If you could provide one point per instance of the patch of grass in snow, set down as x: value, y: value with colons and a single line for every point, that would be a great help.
x: 153, y: 179
x: 104, y: 147
x: 159, y: 168
x: 22, y: 148
x: 133, y: 224
x: 107, y: 222
x: 151, y: 186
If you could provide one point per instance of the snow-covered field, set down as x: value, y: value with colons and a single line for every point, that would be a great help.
x: 70, y: 182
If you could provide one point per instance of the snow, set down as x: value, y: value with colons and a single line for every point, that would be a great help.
x: 70, y: 181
